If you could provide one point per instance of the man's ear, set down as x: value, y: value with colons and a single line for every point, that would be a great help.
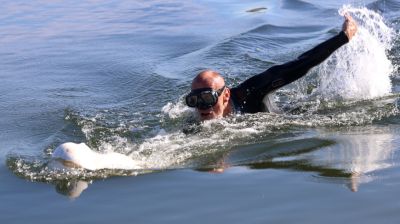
x: 227, y: 95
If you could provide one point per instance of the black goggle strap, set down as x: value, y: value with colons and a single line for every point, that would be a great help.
x: 219, y: 91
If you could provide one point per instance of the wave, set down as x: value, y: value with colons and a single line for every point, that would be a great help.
x: 384, y: 6
x: 298, y: 4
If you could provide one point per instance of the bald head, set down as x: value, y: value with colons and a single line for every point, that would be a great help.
x: 208, y: 79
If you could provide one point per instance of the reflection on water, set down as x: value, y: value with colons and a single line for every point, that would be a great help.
x: 72, y: 189
x: 345, y: 159
x: 359, y: 155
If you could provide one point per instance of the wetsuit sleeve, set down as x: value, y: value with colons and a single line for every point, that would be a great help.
x: 256, y: 87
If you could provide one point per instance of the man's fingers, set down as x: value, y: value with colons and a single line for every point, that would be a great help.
x: 348, y: 17
x: 349, y: 26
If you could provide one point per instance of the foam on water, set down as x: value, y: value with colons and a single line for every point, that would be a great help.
x: 177, y: 110
x: 170, y: 147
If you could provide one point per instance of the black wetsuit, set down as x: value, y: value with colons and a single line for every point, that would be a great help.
x: 248, y: 96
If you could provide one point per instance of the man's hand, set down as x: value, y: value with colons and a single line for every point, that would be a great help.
x: 349, y: 26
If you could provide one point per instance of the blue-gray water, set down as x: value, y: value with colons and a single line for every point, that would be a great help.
x: 112, y: 74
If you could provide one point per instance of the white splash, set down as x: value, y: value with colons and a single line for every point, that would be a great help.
x: 177, y: 110
x: 360, y: 69
x: 80, y: 155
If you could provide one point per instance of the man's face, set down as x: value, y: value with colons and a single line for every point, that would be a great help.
x: 216, y: 111
x: 207, y: 89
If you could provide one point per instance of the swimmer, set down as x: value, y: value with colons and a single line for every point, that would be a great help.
x: 212, y: 99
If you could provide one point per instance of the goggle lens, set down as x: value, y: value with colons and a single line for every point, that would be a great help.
x: 208, y: 98
x: 191, y: 100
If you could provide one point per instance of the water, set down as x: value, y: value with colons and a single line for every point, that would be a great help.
x: 113, y: 74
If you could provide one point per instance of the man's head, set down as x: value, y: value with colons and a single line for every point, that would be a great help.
x: 209, y: 95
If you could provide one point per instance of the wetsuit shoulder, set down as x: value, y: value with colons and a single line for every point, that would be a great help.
x: 248, y: 96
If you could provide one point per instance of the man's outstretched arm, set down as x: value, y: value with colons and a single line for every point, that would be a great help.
x: 280, y: 75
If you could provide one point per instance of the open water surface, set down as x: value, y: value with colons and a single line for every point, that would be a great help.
x: 113, y: 74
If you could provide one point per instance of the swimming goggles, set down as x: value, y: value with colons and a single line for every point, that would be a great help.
x: 203, y: 98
